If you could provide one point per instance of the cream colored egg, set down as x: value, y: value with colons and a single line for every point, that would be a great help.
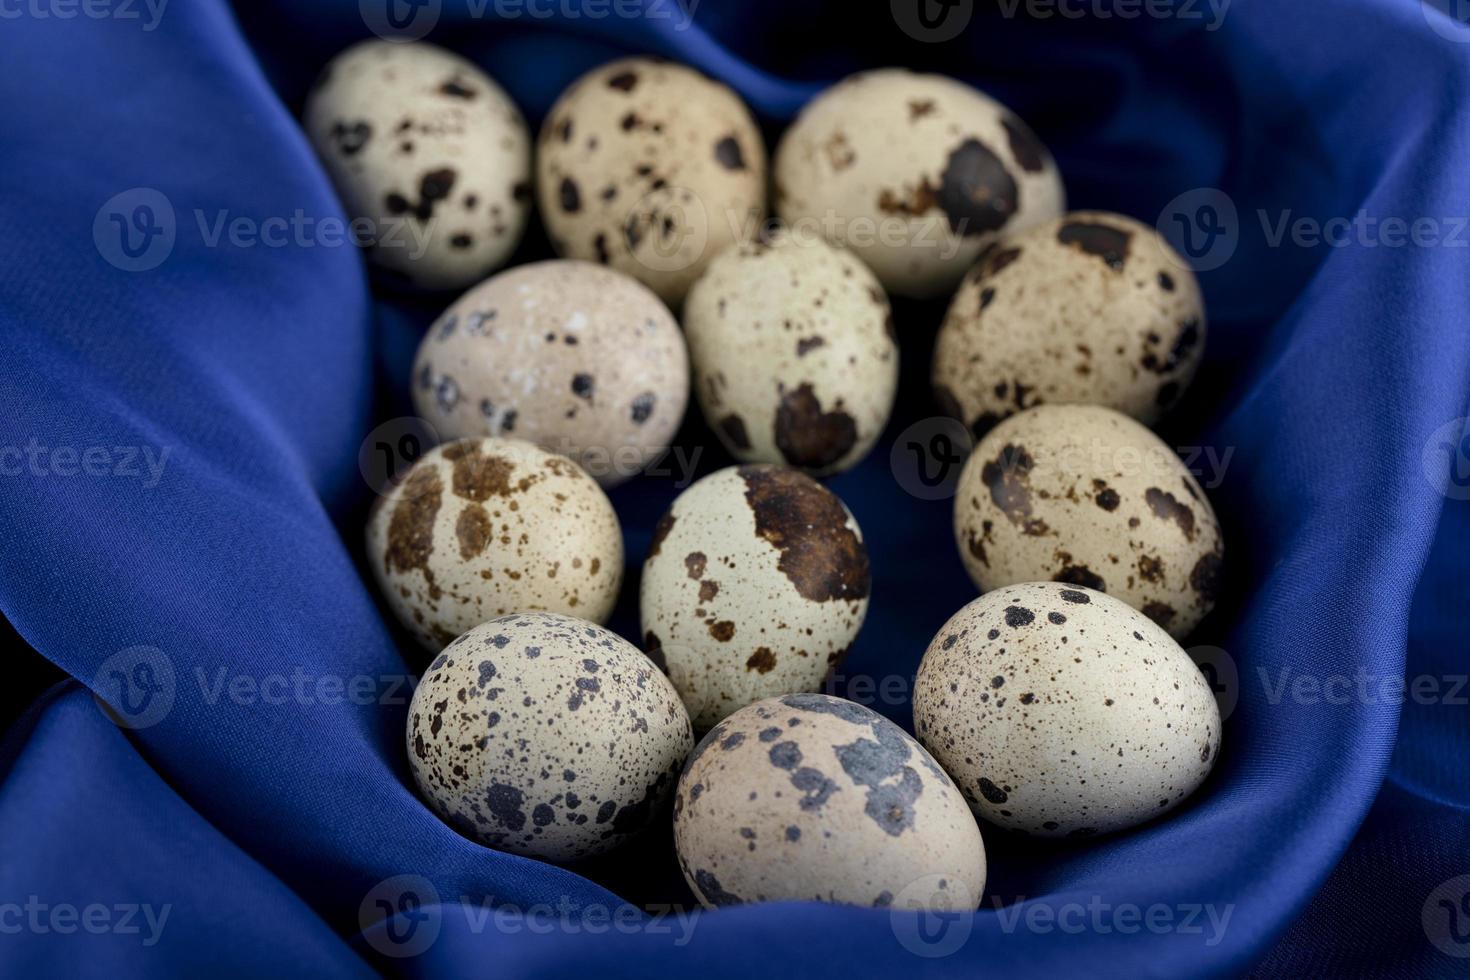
x: 916, y: 173
x: 1086, y: 495
x: 579, y: 359
x: 810, y: 797
x: 429, y: 155
x: 484, y: 527
x: 1092, y: 308
x: 546, y: 736
x: 793, y: 353
x: 1062, y: 712
x: 757, y: 582
x: 652, y: 168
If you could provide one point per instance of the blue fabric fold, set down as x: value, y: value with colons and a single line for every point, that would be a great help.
x: 207, y: 504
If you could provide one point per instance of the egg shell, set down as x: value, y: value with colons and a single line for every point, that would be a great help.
x: 547, y: 736
x: 1093, y: 308
x: 793, y: 353
x: 1063, y: 712
x: 652, y: 168
x: 484, y: 527
x: 432, y: 152
x: 917, y: 173
x: 579, y: 359
x: 1086, y: 495
x: 756, y: 583
x: 810, y: 797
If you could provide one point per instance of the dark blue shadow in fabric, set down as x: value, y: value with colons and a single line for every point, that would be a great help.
x: 265, y: 816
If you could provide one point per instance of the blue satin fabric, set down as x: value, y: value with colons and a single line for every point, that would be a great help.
x: 265, y: 827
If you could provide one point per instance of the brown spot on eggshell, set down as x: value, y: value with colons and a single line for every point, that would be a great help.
x: 808, y: 436
x: 1095, y: 238
x: 733, y: 426
x: 473, y: 529
x: 763, y: 661
x: 411, y: 525
x: 820, y: 555
x: 976, y: 192
x: 1166, y: 506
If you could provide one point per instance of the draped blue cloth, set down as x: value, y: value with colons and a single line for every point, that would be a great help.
x: 257, y: 818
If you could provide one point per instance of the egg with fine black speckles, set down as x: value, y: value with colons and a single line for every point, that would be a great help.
x: 546, y: 736
x: 1063, y: 712
x: 581, y: 360
x: 430, y: 153
x: 1086, y: 495
x: 793, y: 353
x: 756, y: 584
x: 1092, y: 308
x: 484, y: 527
x: 810, y: 797
x: 917, y: 173
x: 651, y: 168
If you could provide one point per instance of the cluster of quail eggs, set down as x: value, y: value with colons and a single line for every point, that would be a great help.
x: 1058, y: 703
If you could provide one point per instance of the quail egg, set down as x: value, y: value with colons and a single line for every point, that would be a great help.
x: 917, y: 173
x: 1093, y: 308
x: 484, y: 527
x: 546, y: 736
x: 579, y: 359
x: 808, y: 796
x: 430, y: 153
x: 793, y: 352
x: 1086, y: 495
x: 652, y: 168
x: 756, y: 583
x: 1063, y: 712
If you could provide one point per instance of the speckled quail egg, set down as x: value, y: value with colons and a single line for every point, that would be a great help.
x: 793, y: 352
x: 652, y: 168
x: 431, y: 153
x: 1093, y: 308
x: 808, y: 796
x: 579, y: 359
x: 546, y: 736
x: 484, y: 527
x: 756, y: 583
x: 1086, y: 495
x: 1063, y: 712
x: 917, y: 173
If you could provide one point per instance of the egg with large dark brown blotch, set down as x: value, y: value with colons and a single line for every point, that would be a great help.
x: 547, y: 736
x: 916, y: 173
x: 484, y: 527
x: 809, y: 797
x: 1093, y: 308
x: 431, y: 158
x: 756, y: 583
x: 1063, y: 712
x: 581, y: 360
x: 651, y: 168
x: 793, y: 353
x: 1088, y: 496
